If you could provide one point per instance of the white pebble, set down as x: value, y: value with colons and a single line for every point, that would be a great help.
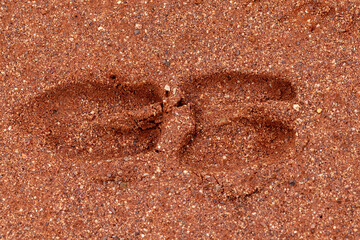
x: 296, y: 107
x: 167, y: 88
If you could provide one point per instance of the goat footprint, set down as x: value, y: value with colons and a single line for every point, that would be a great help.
x: 241, y: 122
x: 94, y: 120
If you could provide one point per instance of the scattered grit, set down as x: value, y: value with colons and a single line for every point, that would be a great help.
x: 179, y: 120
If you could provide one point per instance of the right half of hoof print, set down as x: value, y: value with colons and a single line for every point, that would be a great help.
x: 94, y: 120
x: 241, y: 121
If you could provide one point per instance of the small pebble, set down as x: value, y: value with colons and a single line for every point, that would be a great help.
x: 296, y: 107
x: 166, y: 62
x: 136, y: 32
x: 319, y: 110
x: 292, y: 182
x: 167, y: 88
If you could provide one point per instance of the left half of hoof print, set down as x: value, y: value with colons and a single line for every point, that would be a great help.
x: 94, y: 120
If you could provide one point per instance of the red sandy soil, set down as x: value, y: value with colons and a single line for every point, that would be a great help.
x: 179, y: 119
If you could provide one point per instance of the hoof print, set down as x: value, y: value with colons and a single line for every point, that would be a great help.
x: 95, y: 120
x: 242, y: 121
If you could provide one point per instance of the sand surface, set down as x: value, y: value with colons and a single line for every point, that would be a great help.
x: 179, y: 119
